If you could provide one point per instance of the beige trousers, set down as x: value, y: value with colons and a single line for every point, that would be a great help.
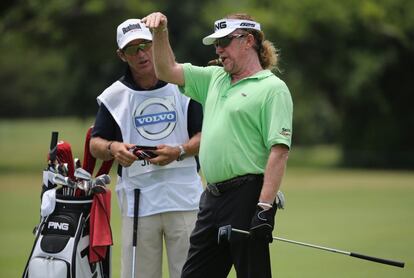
x: 172, y: 227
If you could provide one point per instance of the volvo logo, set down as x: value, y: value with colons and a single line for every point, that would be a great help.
x: 155, y: 118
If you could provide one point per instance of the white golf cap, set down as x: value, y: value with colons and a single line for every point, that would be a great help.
x: 225, y: 26
x: 131, y: 29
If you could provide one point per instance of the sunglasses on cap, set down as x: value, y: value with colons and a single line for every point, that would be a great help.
x: 225, y: 41
x: 135, y: 48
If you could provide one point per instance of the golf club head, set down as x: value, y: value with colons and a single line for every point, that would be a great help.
x: 224, y: 234
x: 102, y: 180
x: 64, y: 169
x: 81, y: 185
x: 61, y: 168
x: 98, y: 189
x: 77, y: 162
x: 86, y: 185
x: 82, y: 174
x: 280, y: 200
x: 62, y: 180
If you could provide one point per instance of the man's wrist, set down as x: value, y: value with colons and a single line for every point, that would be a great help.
x: 182, y: 153
x: 108, y: 148
x: 160, y: 29
x: 264, y: 205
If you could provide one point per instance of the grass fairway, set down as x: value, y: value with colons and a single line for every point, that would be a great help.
x: 369, y: 212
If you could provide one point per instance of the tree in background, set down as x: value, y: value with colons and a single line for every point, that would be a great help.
x: 352, y: 61
x: 347, y: 63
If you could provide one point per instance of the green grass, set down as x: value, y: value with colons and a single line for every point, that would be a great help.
x: 369, y: 212
x: 24, y: 143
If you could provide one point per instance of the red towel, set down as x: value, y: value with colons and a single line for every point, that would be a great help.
x: 100, y: 237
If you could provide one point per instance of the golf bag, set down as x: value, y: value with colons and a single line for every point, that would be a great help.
x: 61, y: 247
x: 63, y: 243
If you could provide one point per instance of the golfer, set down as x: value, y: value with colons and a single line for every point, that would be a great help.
x: 245, y: 142
x: 139, y: 109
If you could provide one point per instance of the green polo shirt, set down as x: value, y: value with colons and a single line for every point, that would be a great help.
x: 242, y: 121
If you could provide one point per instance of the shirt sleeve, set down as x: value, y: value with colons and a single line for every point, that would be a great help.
x: 105, y: 125
x: 195, y: 118
x: 197, y: 81
x: 277, y: 116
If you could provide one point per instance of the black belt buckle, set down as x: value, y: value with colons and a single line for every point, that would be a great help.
x: 212, y: 188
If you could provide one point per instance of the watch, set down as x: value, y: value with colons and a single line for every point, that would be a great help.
x: 182, y: 153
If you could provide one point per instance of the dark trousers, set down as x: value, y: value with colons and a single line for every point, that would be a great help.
x: 235, y: 207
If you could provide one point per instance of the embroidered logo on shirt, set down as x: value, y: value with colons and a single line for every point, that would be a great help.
x: 286, y: 132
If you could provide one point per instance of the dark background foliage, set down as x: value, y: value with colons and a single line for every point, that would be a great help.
x: 347, y: 63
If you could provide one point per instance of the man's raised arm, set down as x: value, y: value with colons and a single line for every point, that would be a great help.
x: 166, y: 68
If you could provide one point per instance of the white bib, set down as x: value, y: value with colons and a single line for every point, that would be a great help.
x: 150, y: 118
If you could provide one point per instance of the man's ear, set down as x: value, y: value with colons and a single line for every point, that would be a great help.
x: 121, y: 55
x: 250, y: 40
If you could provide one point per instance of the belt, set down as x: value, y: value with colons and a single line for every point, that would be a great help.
x: 217, y: 189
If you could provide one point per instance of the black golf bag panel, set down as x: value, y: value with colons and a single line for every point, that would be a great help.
x: 61, y: 246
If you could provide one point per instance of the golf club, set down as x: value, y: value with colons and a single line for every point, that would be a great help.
x: 224, y: 232
x: 102, y: 180
x: 99, y: 184
x: 68, y: 186
x: 137, y: 192
x: 82, y: 174
x: 84, y: 179
x: 77, y: 162
x: 62, y: 180
x: 53, y: 150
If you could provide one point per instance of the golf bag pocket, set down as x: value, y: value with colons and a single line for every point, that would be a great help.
x: 44, y: 267
x: 61, y: 247
x: 58, y: 230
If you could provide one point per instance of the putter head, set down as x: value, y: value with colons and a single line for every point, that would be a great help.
x: 224, y: 234
x: 280, y: 200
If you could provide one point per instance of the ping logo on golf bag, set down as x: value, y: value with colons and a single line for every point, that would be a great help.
x: 58, y: 226
x: 155, y: 118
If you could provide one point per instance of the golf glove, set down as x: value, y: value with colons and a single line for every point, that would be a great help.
x: 262, y: 224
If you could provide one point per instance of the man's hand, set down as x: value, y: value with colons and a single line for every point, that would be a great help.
x: 156, y: 21
x: 262, y: 224
x: 166, y: 155
x: 120, y: 152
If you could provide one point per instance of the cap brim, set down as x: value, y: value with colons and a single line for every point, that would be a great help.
x: 216, y: 35
x: 135, y: 36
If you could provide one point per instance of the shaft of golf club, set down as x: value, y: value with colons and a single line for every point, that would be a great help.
x: 53, y: 146
x: 352, y: 254
x: 137, y: 192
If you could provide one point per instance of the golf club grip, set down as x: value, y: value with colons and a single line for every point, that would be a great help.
x: 53, y: 144
x: 137, y: 192
x: 378, y: 260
